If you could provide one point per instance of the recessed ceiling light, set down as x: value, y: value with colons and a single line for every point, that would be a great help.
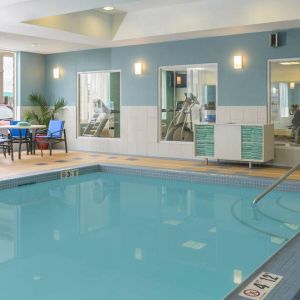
x: 35, y: 45
x: 108, y: 8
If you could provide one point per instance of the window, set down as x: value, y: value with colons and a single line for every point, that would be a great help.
x: 284, y: 99
x: 7, y: 85
x: 187, y: 96
x: 99, y: 104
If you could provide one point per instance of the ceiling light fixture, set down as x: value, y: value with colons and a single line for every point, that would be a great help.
x: 108, y: 8
x: 289, y: 63
x: 35, y: 45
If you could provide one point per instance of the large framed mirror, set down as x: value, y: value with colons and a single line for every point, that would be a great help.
x: 188, y: 95
x: 284, y: 100
x: 99, y: 94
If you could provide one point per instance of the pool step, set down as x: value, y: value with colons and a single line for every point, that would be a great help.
x: 251, y: 217
x: 284, y: 208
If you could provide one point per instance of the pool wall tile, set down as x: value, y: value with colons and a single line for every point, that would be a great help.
x: 186, y: 175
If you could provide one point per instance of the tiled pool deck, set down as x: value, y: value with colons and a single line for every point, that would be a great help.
x: 59, y: 159
x: 286, y: 262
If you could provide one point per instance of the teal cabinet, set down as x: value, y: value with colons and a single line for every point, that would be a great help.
x: 236, y: 142
x: 252, y: 143
x: 204, y: 140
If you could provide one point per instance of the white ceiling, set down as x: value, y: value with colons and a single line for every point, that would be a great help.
x: 72, y: 26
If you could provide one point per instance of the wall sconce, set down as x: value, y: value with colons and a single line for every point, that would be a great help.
x: 178, y: 80
x: 138, y: 68
x: 292, y: 85
x: 238, y: 62
x: 56, y: 73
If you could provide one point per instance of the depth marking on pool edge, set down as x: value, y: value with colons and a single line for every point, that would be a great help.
x: 69, y: 173
x: 261, y: 286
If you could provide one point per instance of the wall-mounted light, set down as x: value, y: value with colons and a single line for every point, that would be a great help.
x: 56, y: 73
x: 237, y: 62
x: 274, y: 91
x: 292, y: 85
x: 178, y: 80
x: 138, y: 68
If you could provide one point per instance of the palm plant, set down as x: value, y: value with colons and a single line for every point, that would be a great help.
x: 46, y: 113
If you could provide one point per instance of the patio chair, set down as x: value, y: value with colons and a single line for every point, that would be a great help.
x: 55, y: 134
x: 20, y: 136
x: 6, y: 145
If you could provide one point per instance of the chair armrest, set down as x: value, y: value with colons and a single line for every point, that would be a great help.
x: 54, y: 132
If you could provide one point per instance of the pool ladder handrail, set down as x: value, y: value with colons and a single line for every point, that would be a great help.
x: 275, y: 184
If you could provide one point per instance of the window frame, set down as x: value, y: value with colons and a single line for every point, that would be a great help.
x: 159, y: 107
x: 78, y: 136
x: 13, y: 54
x: 269, y: 85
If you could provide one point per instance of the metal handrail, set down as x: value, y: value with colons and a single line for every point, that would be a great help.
x: 273, y: 186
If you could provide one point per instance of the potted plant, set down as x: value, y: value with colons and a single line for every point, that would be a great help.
x: 44, y: 114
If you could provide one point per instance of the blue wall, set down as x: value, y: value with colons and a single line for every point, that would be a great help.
x: 31, y: 76
x: 294, y: 94
x: 236, y: 87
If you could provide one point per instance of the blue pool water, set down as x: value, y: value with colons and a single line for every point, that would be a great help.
x: 112, y: 237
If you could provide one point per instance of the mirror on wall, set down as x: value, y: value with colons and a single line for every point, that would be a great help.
x: 7, y: 85
x: 99, y: 104
x: 188, y: 95
x: 284, y: 100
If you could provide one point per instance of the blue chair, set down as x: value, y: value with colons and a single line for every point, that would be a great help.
x: 55, y: 134
x: 20, y: 136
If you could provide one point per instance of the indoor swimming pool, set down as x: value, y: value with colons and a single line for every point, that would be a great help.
x: 117, y: 237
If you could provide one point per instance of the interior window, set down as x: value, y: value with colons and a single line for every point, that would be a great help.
x: 99, y: 104
x: 285, y: 100
x: 7, y: 85
x: 187, y: 96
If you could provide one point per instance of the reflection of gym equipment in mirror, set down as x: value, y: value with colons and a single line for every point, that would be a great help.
x: 96, y: 124
x: 99, y: 104
x: 295, y: 112
x: 181, y: 127
x: 187, y: 97
x: 284, y: 100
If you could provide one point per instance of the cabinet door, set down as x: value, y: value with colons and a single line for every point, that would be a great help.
x: 252, y: 143
x: 204, y: 140
x: 228, y: 142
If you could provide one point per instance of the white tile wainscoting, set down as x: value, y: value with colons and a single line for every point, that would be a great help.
x: 140, y: 133
x: 242, y: 114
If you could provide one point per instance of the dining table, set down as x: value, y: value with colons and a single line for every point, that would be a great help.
x: 31, y: 129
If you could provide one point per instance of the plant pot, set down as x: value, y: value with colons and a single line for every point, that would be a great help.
x: 41, y: 145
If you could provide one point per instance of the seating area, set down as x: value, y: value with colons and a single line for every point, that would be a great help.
x: 31, y: 136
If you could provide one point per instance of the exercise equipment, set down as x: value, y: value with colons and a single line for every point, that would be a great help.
x: 180, y: 129
x: 99, y: 119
